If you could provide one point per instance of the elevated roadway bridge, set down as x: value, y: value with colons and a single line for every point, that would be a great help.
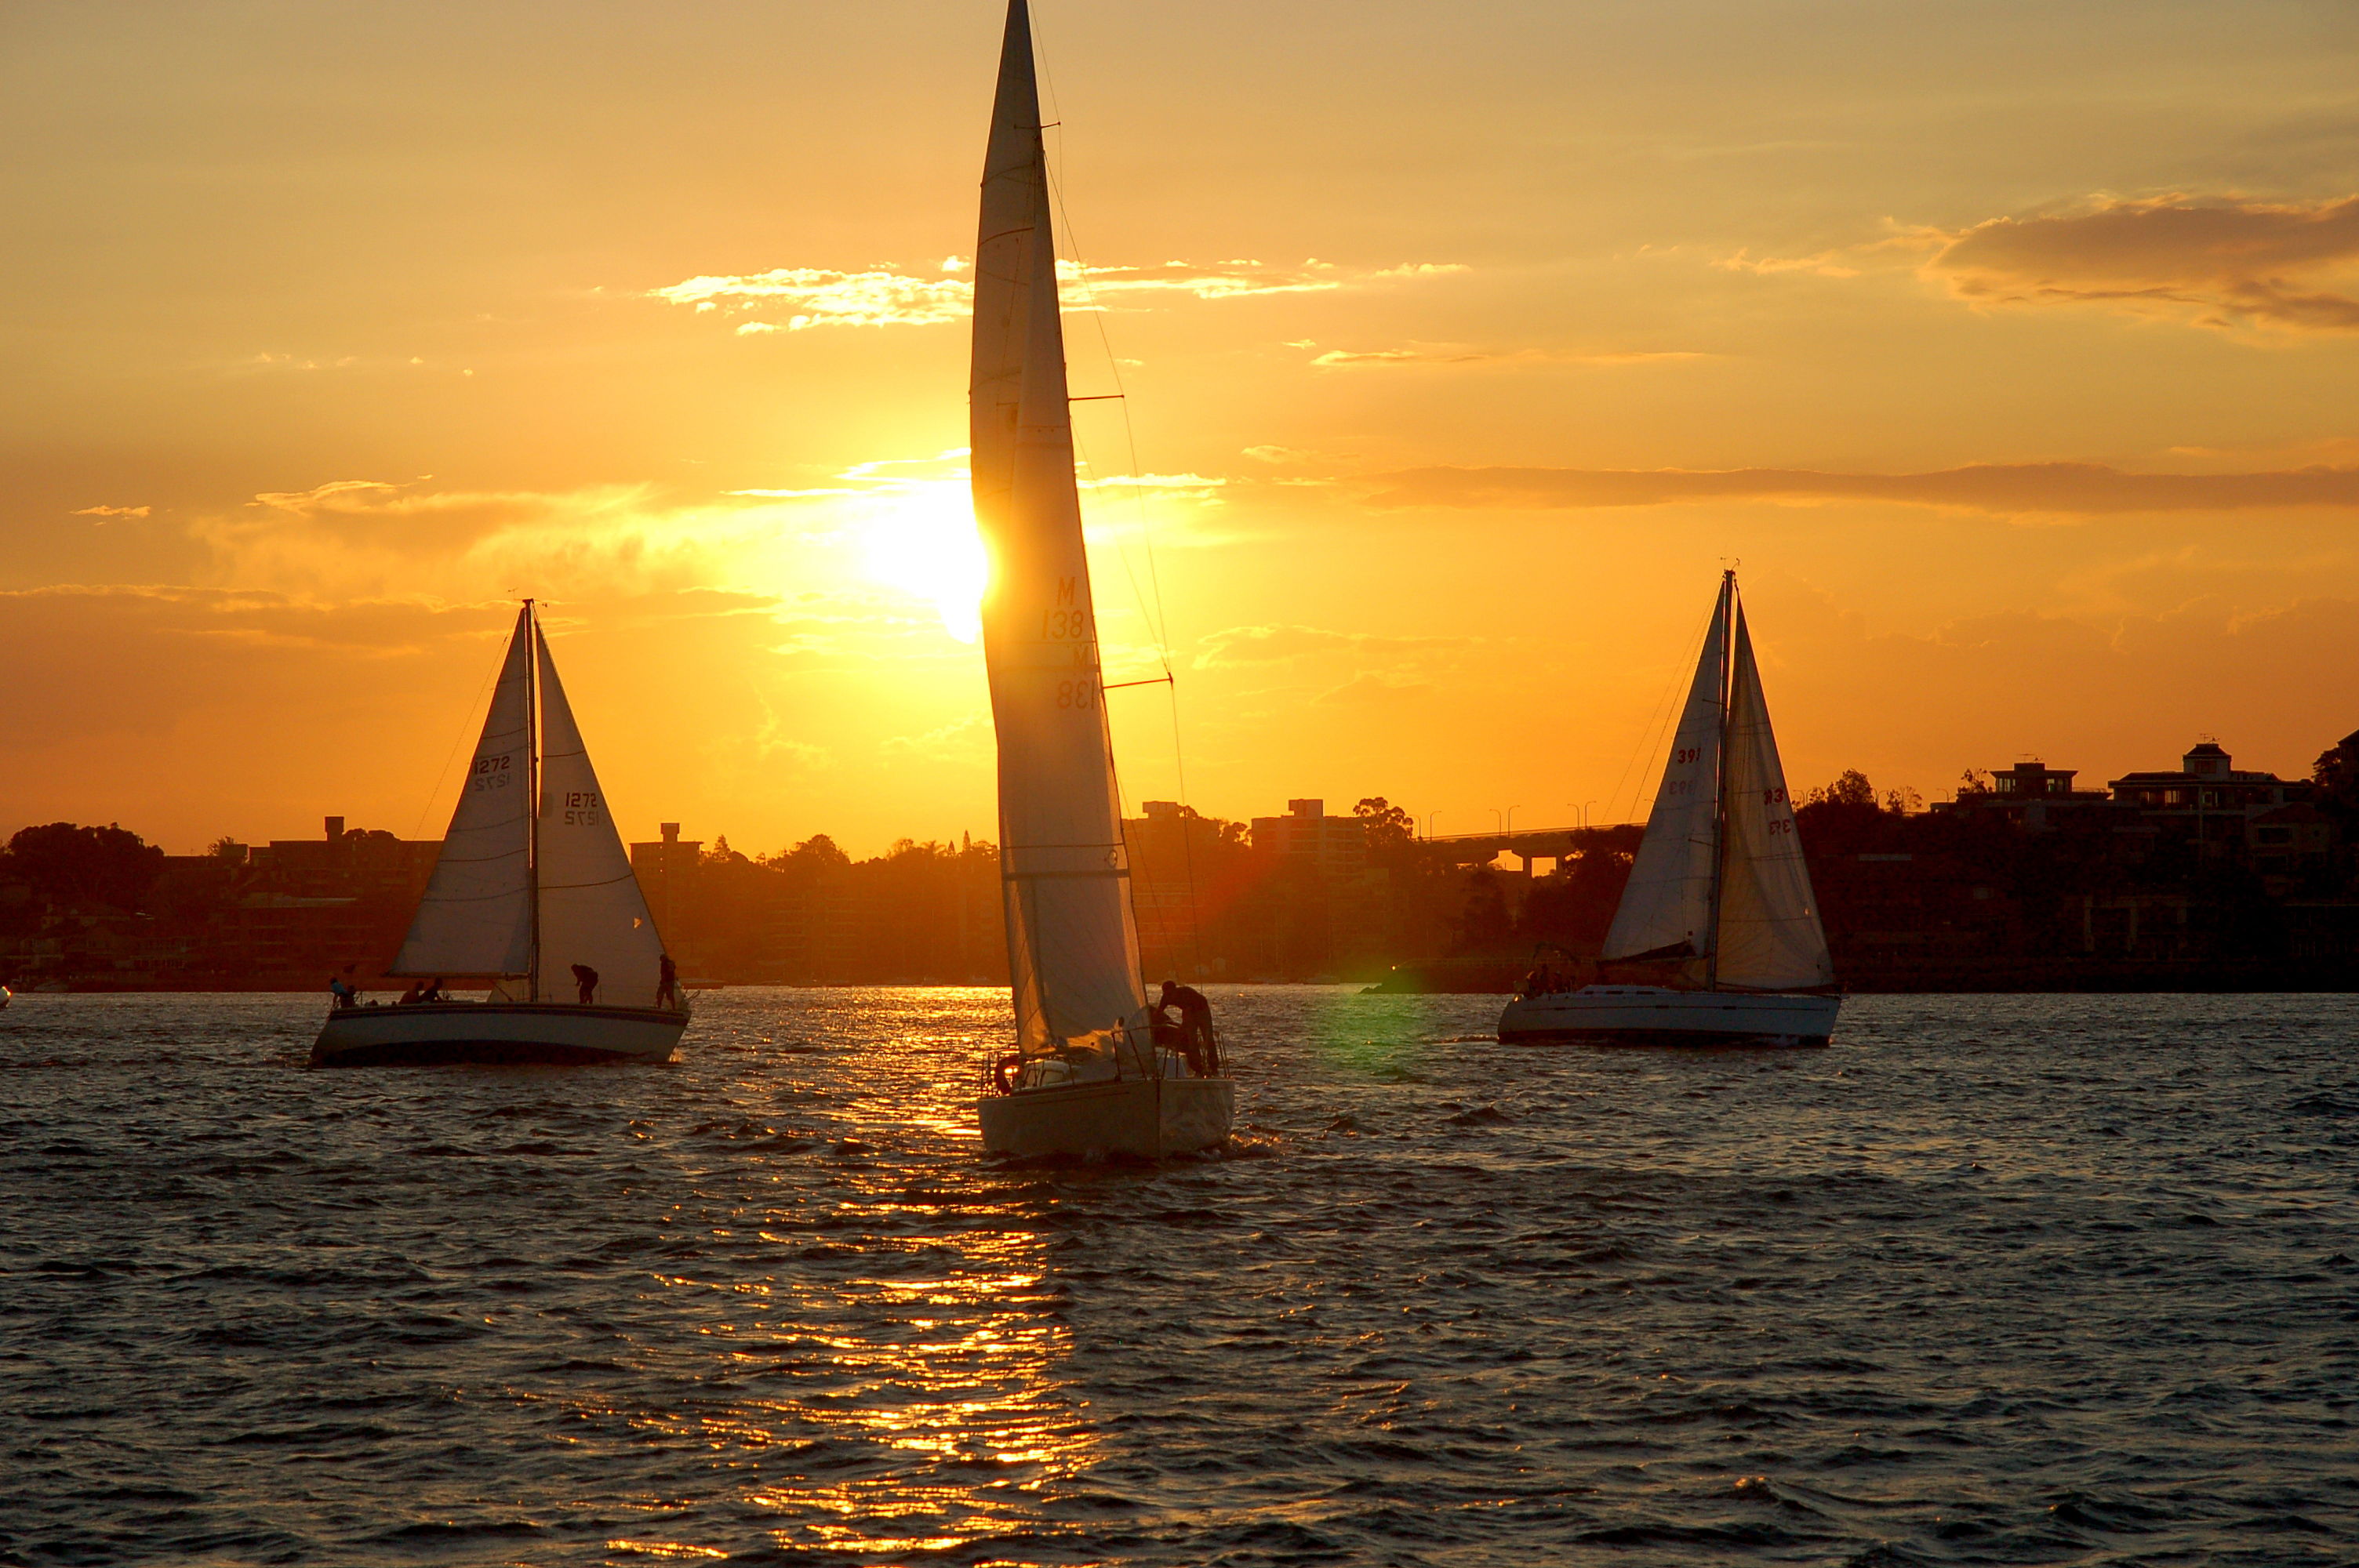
x: 1529, y: 844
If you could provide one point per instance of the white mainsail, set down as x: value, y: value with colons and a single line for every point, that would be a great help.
x: 1071, y: 939
x: 1668, y: 901
x: 591, y: 910
x: 1770, y: 938
x: 476, y: 917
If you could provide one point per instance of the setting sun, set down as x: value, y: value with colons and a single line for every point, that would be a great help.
x: 921, y: 540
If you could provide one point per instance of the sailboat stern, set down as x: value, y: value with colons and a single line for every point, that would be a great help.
x: 1141, y: 1119
x: 436, y: 1034
x: 1657, y: 1015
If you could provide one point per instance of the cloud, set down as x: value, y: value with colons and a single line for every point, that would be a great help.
x: 2006, y: 489
x: 1237, y: 646
x: 364, y: 536
x: 1459, y: 355
x: 793, y: 299
x: 1179, y: 486
x: 957, y: 740
x: 2223, y: 261
x: 103, y: 512
x: 815, y: 296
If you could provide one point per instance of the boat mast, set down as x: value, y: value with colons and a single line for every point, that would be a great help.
x: 532, y: 792
x: 1726, y: 611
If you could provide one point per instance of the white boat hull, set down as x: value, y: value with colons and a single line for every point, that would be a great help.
x: 1654, y: 1015
x: 495, y: 1031
x: 1146, y: 1119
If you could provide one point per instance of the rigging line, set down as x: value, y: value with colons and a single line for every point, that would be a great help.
x: 1659, y: 723
x: 1156, y: 620
x: 1160, y: 624
x: 458, y: 741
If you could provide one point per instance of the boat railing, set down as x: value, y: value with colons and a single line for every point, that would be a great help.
x: 998, y: 1071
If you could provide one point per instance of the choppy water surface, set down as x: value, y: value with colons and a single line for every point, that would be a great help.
x: 2002, y: 1280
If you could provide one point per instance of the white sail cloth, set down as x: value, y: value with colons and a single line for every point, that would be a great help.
x: 1668, y: 901
x: 1720, y: 881
x: 1071, y: 938
x: 476, y: 917
x: 1770, y: 937
x: 591, y: 910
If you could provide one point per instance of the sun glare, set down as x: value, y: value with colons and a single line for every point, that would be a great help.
x: 922, y: 541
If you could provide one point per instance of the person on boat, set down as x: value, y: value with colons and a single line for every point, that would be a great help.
x: 414, y: 994
x: 1195, y: 1024
x: 434, y: 991
x: 345, y: 996
x: 666, y: 982
x: 587, y: 979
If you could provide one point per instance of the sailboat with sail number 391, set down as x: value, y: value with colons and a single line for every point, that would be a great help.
x: 533, y: 893
x: 1087, y: 1075
x: 1719, y: 898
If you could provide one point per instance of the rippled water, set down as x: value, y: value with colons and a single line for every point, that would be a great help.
x: 2005, y: 1281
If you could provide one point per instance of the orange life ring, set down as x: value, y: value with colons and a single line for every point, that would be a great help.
x: 1000, y: 1071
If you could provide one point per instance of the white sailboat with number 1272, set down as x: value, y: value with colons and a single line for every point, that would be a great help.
x: 532, y: 893
x: 1086, y: 1077
x: 1719, y: 896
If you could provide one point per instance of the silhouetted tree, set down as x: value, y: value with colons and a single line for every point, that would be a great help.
x: 813, y: 853
x: 2336, y: 774
x: 1483, y: 924
x: 70, y: 865
x: 1390, y: 830
x: 1852, y: 789
x: 1574, y: 907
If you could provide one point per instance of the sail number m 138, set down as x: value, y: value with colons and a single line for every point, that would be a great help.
x: 1068, y: 621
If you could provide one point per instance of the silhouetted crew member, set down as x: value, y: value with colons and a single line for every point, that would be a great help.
x: 1195, y: 1024
x: 587, y: 979
x: 341, y: 991
x: 666, y: 982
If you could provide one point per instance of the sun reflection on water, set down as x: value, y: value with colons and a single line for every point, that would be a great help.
x: 892, y: 1369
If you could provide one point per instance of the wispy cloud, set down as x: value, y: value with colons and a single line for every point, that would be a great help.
x: 2225, y: 262
x: 2061, y: 489
x: 793, y: 299
x: 103, y: 512
x: 1279, y: 644
x: 2222, y: 261
x: 814, y: 296
x: 1461, y: 354
x: 1186, y: 485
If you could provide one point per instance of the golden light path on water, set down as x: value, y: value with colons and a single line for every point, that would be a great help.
x: 953, y: 1374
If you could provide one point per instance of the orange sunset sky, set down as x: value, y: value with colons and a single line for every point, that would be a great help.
x: 2014, y: 348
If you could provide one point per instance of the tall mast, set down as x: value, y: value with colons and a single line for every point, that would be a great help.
x: 1726, y: 611
x: 532, y: 790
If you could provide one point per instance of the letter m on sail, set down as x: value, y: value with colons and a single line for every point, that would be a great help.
x: 1065, y: 590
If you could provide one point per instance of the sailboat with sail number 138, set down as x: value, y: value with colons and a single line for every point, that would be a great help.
x: 1087, y: 1075
x: 1719, y: 899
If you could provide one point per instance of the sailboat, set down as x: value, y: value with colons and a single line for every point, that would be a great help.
x: 533, y: 892
x: 1086, y: 1077
x: 1719, y: 898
